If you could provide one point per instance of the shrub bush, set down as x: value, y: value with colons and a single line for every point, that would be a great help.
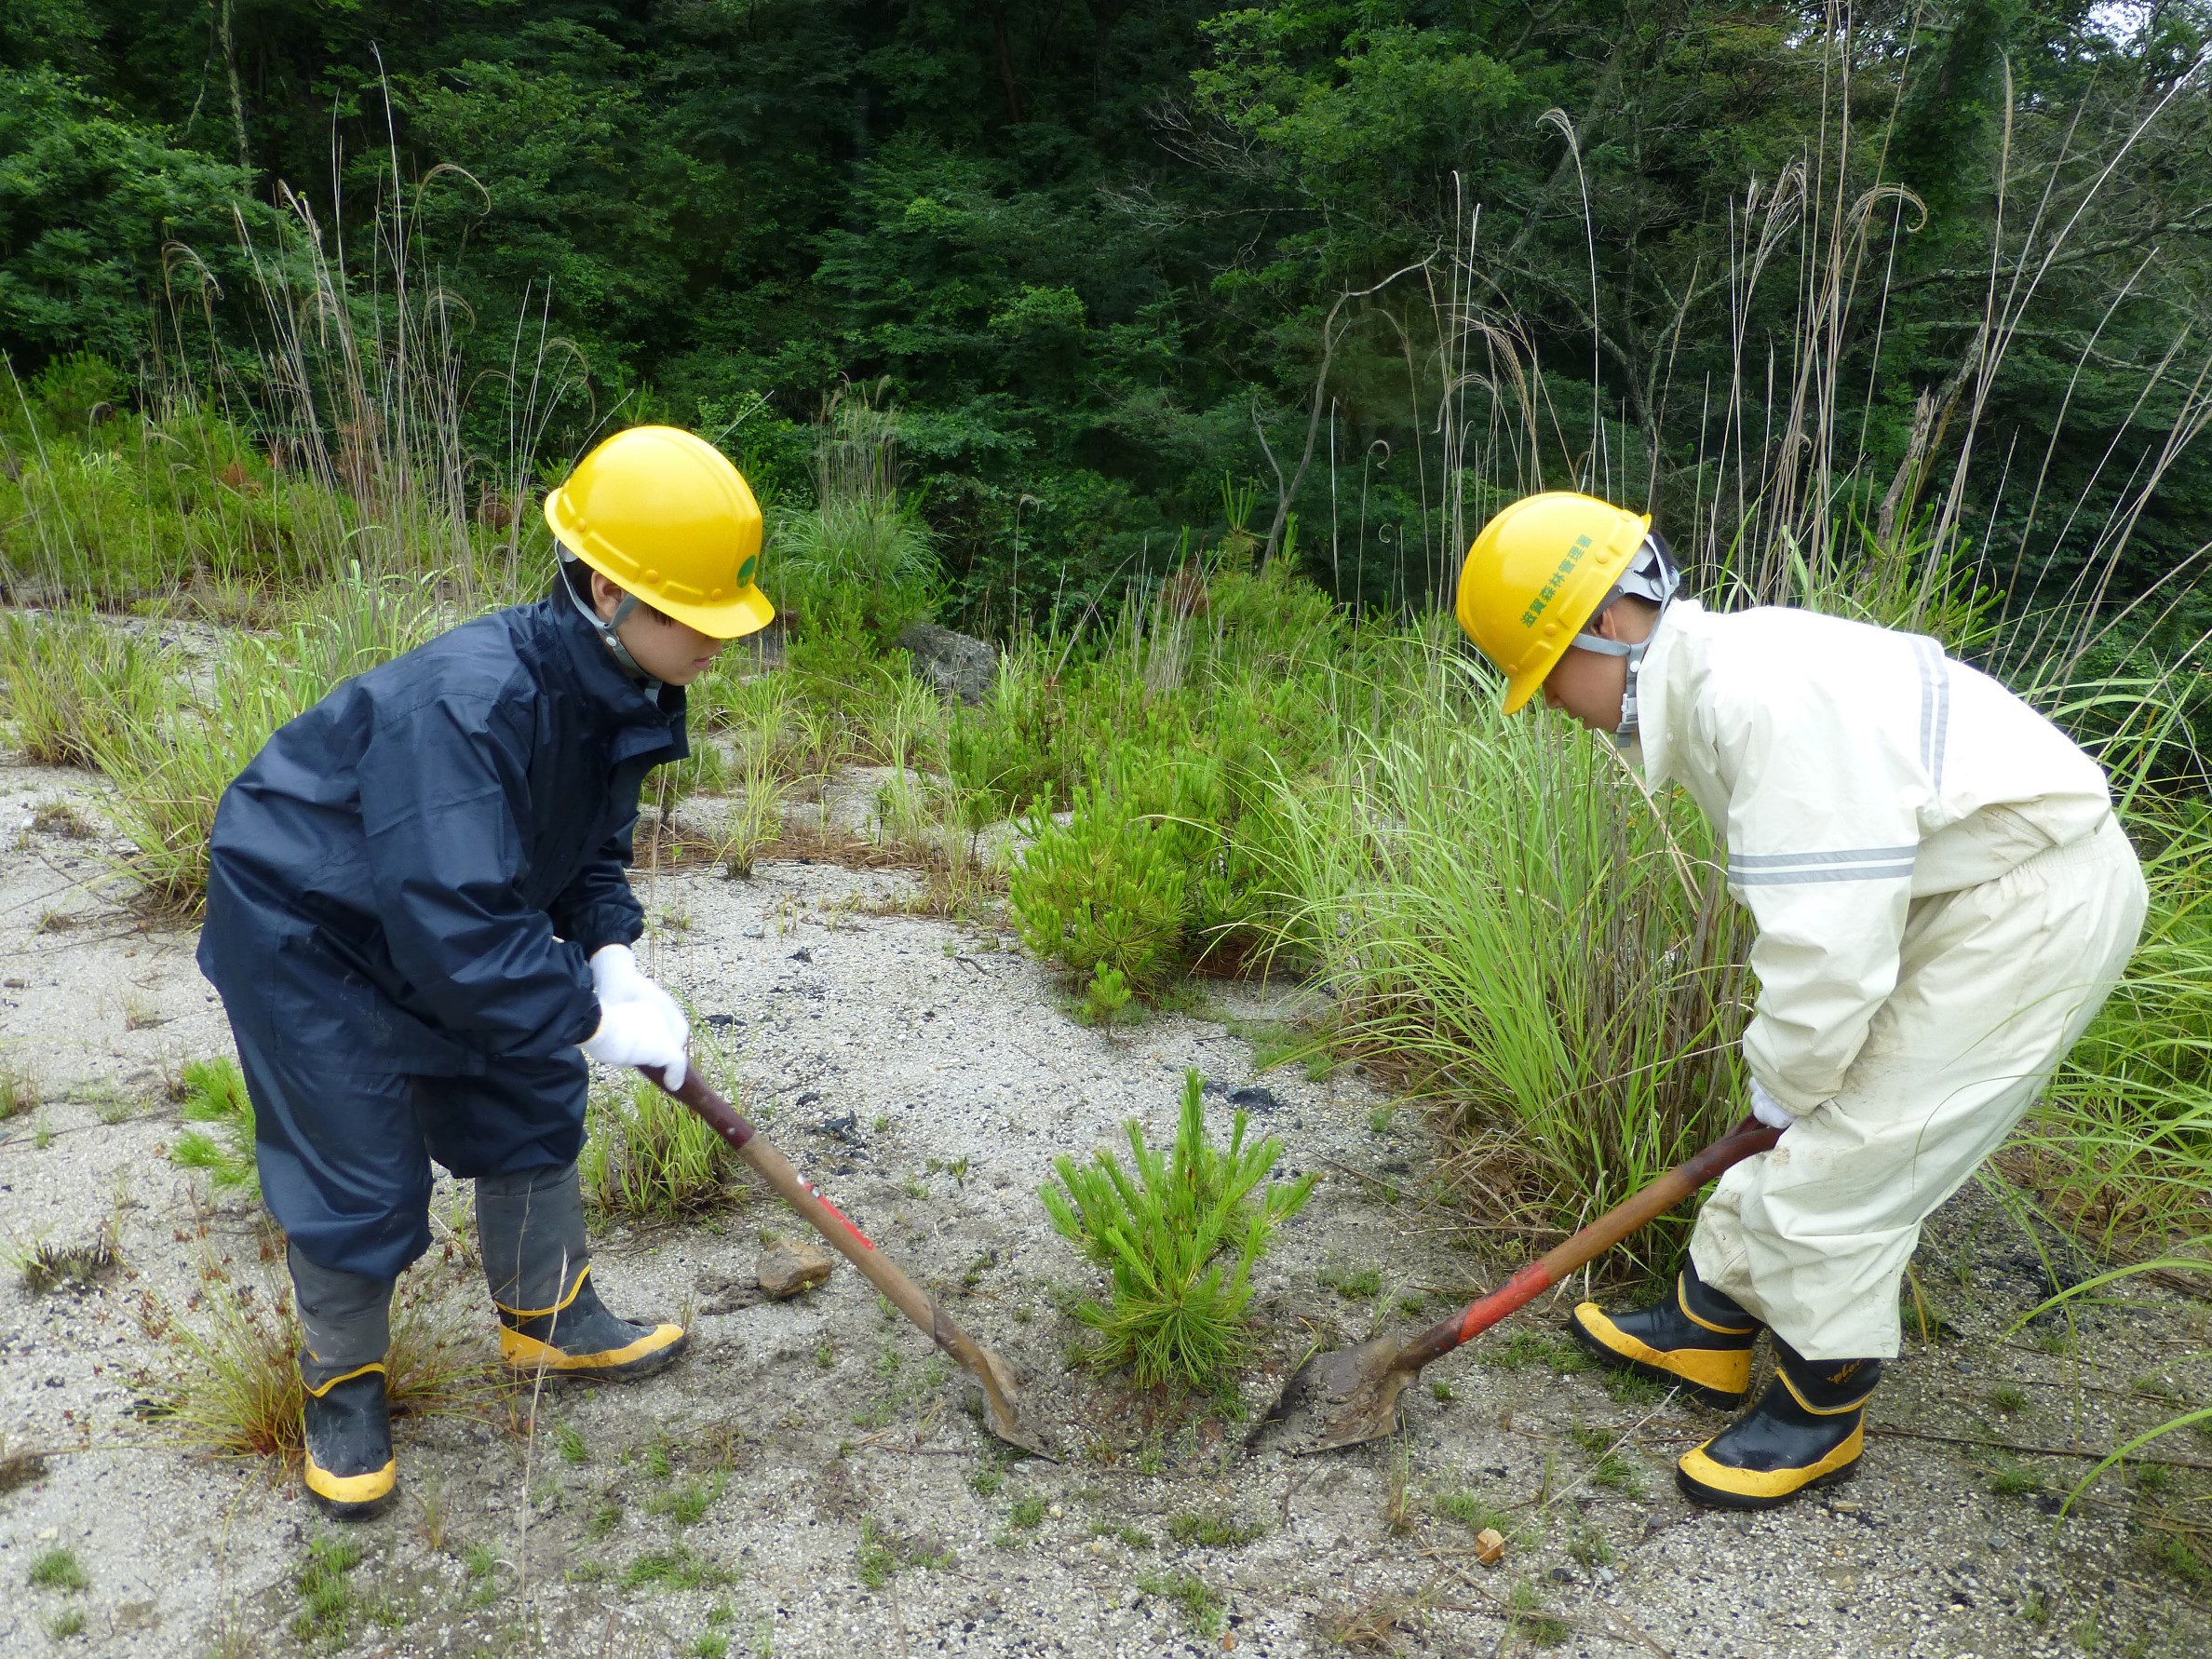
x: 1177, y: 1234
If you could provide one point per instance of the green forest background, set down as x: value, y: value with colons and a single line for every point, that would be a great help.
x: 1110, y: 260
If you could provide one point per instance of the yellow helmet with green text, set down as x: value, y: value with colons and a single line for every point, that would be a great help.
x: 1538, y: 571
x: 663, y: 515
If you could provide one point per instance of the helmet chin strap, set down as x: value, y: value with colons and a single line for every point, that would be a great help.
x: 604, y: 625
x: 1652, y: 575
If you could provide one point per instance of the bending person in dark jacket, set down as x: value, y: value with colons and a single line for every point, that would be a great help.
x: 419, y: 921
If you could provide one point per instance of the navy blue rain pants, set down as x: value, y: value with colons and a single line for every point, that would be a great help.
x: 345, y: 1155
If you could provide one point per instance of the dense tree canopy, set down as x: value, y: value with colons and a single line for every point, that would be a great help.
x: 1773, y: 265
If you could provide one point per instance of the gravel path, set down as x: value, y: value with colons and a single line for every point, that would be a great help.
x: 810, y: 1482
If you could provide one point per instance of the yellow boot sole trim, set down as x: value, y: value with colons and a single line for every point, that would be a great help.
x: 1769, y: 1483
x: 1727, y: 1371
x: 527, y: 1354
x: 351, y: 1489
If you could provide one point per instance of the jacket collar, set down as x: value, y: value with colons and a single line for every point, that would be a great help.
x: 646, y: 716
x: 1655, y: 698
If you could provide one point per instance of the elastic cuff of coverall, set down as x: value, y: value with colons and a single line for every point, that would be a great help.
x: 530, y: 1228
x: 345, y: 1319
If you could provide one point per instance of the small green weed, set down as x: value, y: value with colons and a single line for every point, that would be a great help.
x: 1177, y: 1313
x: 1026, y: 1514
x: 325, y: 1586
x: 1628, y: 1389
x: 1442, y: 1392
x: 2182, y: 1558
x: 2008, y: 1399
x: 1527, y: 1349
x: 215, y: 1095
x: 676, y: 1569
x: 1471, y: 1512
x: 986, y: 1481
x: 1362, y: 1283
x: 712, y: 1645
x: 69, y: 1621
x: 1204, y: 1607
x: 691, y: 1501
x: 1530, y: 1618
x: 604, y: 1520
x: 568, y: 1440
x: 19, y: 1093
x: 882, y: 1553
x: 58, y: 1569
x: 1213, y: 1531
x: 2012, y: 1480
x: 1609, y: 1469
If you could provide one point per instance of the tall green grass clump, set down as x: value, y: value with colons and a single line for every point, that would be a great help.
x: 2119, y: 1148
x: 71, y: 681
x: 172, y: 761
x: 1516, y: 928
x: 857, y: 566
x: 1177, y: 1234
x: 647, y: 1157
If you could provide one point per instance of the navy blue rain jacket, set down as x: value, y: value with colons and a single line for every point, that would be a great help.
x: 411, y: 876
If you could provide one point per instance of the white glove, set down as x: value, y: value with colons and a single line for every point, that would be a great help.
x: 1768, y: 1109
x: 640, y: 1023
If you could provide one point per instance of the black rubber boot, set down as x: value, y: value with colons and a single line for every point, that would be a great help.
x: 551, y: 1320
x: 1697, y: 1340
x: 351, y: 1474
x: 345, y: 1328
x: 1807, y: 1431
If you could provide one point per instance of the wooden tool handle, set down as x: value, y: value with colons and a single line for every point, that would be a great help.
x: 1746, y: 1139
x: 824, y: 1218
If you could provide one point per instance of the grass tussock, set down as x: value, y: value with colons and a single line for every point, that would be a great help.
x: 49, y: 1269
x: 649, y: 1158
x: 228, y: 1380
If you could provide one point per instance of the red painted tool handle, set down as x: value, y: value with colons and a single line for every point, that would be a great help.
x: 1746, y: 1139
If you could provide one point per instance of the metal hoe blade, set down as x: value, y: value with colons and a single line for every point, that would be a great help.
x: 1345, y: 1399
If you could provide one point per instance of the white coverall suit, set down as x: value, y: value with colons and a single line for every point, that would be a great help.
x: 1943, y: 899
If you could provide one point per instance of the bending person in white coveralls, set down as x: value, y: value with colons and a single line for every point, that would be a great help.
x: 1943, y: 898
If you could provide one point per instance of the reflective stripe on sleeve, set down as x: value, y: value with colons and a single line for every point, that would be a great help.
x: 1935, y: 671
x: 1848, y: 864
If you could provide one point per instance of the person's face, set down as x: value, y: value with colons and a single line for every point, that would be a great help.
x: 669, y: 651
x: 1588, y: 685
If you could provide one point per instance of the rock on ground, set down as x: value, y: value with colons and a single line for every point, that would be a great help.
x: 957, y: 664
x: 787, y: 1267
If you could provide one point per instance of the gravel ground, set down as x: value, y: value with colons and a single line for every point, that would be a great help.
x: 809, y: 1482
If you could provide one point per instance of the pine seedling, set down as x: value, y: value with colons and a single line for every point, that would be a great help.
x: 215, y: 1094
x: 1177, y: 1234
x: 1106, y: 997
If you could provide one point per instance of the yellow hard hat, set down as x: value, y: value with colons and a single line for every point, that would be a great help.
x: 663, y: 515
x: 1535, y: 575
